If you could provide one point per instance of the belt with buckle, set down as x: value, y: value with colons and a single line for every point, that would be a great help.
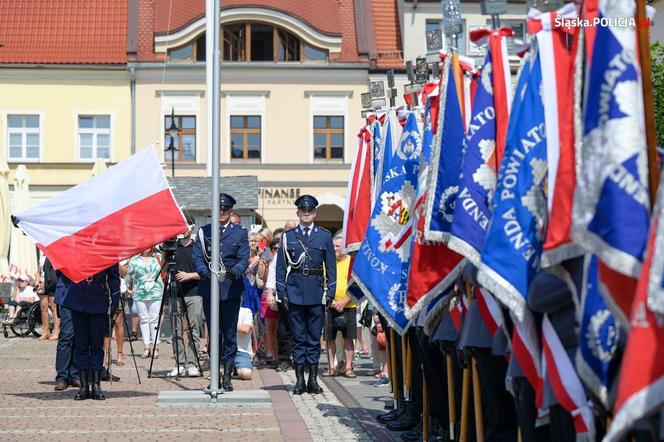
x: 306, y: 271
x: 94, y: 279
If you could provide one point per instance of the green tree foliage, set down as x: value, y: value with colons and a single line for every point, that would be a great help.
x: 657, y: 55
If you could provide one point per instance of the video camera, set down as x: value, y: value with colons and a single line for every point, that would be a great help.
x: 170, y: 245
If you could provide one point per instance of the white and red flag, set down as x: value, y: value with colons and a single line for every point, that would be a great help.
x: 565, y: 382
x: 557, y: 47
x: 358, y: 202
x: 106, y: 219
x: 641, y: 383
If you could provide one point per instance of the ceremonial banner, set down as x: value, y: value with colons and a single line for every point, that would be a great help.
x: 557, y: 45
x: 433, y: 266
x: 600, y: 338
x: 377, y: 129
x: 478, y: 177
x: 526, y: 350
x: 445, y: 165
x: 381, y: 264
x: 564, y: 381
x: 104, y: 220
x: 611, y: 205
x: 641, y: 383
x: 513, y: 246
x: 358, y: 199
x: 489, y: 309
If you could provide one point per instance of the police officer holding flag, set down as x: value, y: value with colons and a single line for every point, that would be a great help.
x: 306, y: 278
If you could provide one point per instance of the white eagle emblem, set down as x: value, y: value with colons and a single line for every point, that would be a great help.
x: 395, y: 297
x: 410, y: 146
x: 395, y: 221
x: 485, y: 175
x: 535, y: 199
x: 602, y: 338
x: 446, y: 205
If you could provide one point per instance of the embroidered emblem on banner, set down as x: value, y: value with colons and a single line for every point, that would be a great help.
x: 602, y: 336
x: 395, y: 297
x: 411, y: 148
x: 535, y: 199
x: 393, y: 222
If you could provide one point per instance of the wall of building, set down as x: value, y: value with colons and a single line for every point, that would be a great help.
x: 58, y: 96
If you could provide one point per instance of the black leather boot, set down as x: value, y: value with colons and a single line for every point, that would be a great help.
x: 97, y: 394
x: 226, y: 378
x: 312, y: 384
x: 84, y: 389
x: 393, y: 414
x: 408, y: 420
x: 300, y: 388
x: 415, y: 434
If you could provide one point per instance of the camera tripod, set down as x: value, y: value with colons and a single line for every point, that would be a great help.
x: 177, y: 304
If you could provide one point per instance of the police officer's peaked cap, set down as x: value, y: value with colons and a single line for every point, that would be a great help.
x: 225, y: 200
x: 306, y: 202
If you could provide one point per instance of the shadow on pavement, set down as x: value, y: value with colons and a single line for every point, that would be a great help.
x: 344, y: 415
x: 59, y: 395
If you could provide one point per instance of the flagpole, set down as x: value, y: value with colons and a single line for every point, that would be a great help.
x: 214, y: 120
x: 643, y: 27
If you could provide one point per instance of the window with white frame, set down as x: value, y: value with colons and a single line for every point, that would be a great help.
x: 328, y: 110
x: 23, y: 137
x: 94, y: 137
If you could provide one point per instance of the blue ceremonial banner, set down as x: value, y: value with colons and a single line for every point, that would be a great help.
x: 600, y: 338
x: 445, y: 165
x: 513, y: 245
x: 478, y: 174
x: 381, y: 264
x: 611, y: 207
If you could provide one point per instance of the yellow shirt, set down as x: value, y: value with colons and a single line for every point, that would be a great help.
x: 342, y: 281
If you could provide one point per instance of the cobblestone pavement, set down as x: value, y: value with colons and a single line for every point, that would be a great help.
x: 31, y: 410
x: 325, y: 417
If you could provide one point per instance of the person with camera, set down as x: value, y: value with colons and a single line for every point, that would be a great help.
x: 234, y: 257
x: 187, y: 287
x: 89, y: 302
x: 306, y: 276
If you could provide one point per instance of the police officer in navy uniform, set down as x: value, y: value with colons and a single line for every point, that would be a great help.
x: 234, y: 257
x: 306, y: 273
x: 89, y: 302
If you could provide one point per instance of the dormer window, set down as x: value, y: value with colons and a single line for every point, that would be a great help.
x: 253, y: 41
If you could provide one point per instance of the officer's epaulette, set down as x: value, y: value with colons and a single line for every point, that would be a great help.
x: 292, y: 228
x: 240, y: 226
x: 324, y: 229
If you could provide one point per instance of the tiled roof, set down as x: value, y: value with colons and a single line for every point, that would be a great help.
x: 63, y: 31
x: 320, y: 14
x: 195, y: 193
x: 388, y: 34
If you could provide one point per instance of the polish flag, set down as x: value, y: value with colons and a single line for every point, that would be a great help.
x: 110, y: 217
x: 489, y: 309
x: 565, y: 381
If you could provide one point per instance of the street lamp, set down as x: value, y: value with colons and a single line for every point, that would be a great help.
x: 173, y: 132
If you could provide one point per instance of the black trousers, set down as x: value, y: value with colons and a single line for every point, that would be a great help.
x: 562, y: 426
x: 435, y: 372
x: 497, y: 403
x: 284, y: 336
x: 526, y: 412
x: 89, y: 332
x: 416, y: 383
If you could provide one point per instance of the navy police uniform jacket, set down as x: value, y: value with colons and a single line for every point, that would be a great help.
x: 234, y: 250
x: 91, y: 295
x: 306, y: 255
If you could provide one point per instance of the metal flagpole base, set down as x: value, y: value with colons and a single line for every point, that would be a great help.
x: 201, y: 398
